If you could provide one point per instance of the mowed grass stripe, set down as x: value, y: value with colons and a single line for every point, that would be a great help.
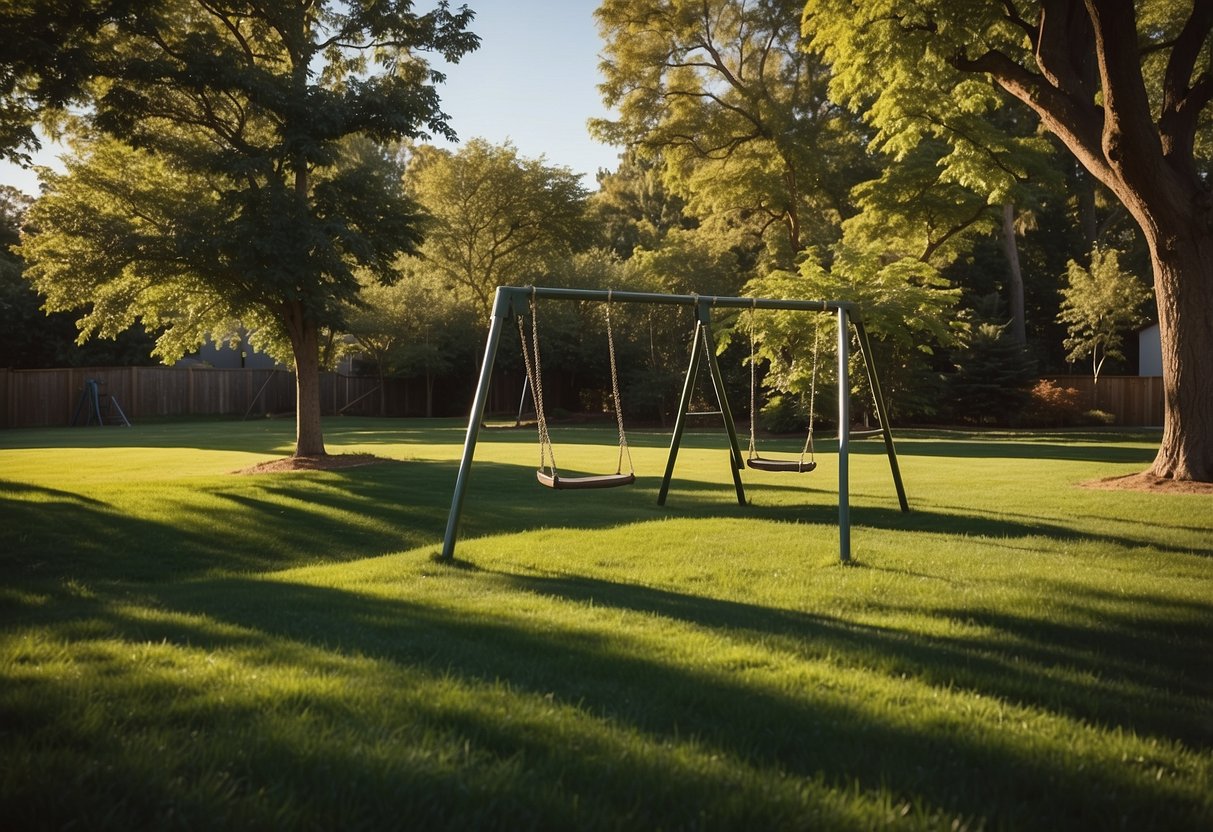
x: 181, y: 645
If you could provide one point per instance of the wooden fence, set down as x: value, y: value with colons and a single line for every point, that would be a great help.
x: 44, y: 398
x: 1135, y: 401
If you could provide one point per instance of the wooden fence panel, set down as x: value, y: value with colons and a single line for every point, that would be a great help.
x: 35, y: 398
x: 1135, y: 401
x: 44, y: 398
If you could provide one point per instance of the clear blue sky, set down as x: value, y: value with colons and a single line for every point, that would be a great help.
x: 533, y: 81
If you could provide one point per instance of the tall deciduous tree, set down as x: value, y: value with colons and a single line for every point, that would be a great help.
x: 240, y: 110
x: 633, y: 207
x: 496, y: 217
x: 47, y: 58
x: 724, y: 90
x: 1125, y: 85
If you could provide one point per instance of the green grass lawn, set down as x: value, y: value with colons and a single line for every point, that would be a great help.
x: 182, y: 647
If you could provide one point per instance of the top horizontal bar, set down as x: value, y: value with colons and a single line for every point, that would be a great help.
x: 509, y: 294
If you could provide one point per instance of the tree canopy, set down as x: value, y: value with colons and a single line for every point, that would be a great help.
x: 1124, y: 85
x: 738, y: 110
x: 216, y: 175
x: 495, y: 216
x: 1098, y: 304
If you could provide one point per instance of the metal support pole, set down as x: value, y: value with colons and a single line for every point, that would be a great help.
x: 844, y: 430
x: 865, y: 348
x: 526, y: 385
x: 688, y: 388
x: 709, y: 347
x: 501, y: 308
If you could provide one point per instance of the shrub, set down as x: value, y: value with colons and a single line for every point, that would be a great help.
x: 1099, y: 417
x: 783, y: 414
x: 1051, y: 405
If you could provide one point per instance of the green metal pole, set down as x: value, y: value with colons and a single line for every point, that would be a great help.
x: 501, y: 308
x: 735, y: 461
x: 844, y: 429
x: 865, y: 348
x: 684, y: 402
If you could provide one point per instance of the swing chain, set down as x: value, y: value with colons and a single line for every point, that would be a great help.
x: 623, y: 438
x: 536, y: 379
x: 808, y: 442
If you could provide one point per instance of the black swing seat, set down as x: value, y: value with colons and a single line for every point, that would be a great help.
x: 794, y: 466
x: 574, y: 483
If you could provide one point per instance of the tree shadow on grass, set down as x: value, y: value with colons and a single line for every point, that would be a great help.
x: 1079, y: 447
x: 812, y: 732
x: 1130, y: 680
x: 250, y: 524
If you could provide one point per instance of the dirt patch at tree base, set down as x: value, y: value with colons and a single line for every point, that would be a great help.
x: 325, y: 462
x: 1148, y: 482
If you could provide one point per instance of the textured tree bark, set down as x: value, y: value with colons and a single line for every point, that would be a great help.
x: 305, y: 345
x: 1149, y: 165
x: 1183, y: 274
x: 1019, y: 329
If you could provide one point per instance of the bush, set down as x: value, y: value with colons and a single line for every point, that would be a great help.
x: 1099, y: 417
x: 1050, y: 405
x: 783, y: 414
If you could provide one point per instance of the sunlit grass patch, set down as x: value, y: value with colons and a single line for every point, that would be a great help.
x: 202, y: 649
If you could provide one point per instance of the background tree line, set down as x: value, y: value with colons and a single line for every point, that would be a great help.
x: 759, y: 157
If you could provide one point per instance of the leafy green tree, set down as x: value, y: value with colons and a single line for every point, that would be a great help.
x: 633, y: 207
x: 495, y: 217
x: 31, y: 338
x: 993, y: 377
x: 413, y: 329
x: 908, y: 309
x: 724, y: 91
x: 49, y: 56
x: 229, y: 190
x: 1098, y: 305
x: 1125, y: 85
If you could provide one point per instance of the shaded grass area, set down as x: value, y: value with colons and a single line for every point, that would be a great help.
x: 184, y: 647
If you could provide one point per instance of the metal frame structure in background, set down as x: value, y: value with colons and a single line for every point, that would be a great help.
x: 511, y: 300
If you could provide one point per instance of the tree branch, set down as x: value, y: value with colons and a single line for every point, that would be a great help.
x: 1063, y: 36
x: 1181, y: 103
x: 1130, y: 142
x: 1078, y: 123
x: 1013, y: 17
x: 1184, y: 54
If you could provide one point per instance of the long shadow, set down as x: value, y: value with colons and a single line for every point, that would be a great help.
x: 274, y: 522
x: 1102, y: 448
x: 488, y: 511
x: 810, y: 733
x: 1119, y: 644
x: 282, y: 521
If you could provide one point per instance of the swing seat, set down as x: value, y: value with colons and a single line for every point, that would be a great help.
x: 575, y: 483
x: 794, y: 466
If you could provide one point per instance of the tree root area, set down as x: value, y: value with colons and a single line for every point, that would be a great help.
x: 323, y: 462
x: 1148, y: 482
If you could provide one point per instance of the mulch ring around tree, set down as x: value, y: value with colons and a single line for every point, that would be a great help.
x: 1148, y: 482
x: 323, y: 462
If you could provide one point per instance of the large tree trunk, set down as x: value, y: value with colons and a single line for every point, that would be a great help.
x: 1183, y: 280
x: 1019, y: 329
x: 305, y: 344
x: 1144, y: 155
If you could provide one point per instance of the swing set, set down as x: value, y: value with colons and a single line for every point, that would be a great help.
x: 518, y: 301
x: 546, y: 473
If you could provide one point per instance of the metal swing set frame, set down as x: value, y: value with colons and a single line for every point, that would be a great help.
x: 509, y: 301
